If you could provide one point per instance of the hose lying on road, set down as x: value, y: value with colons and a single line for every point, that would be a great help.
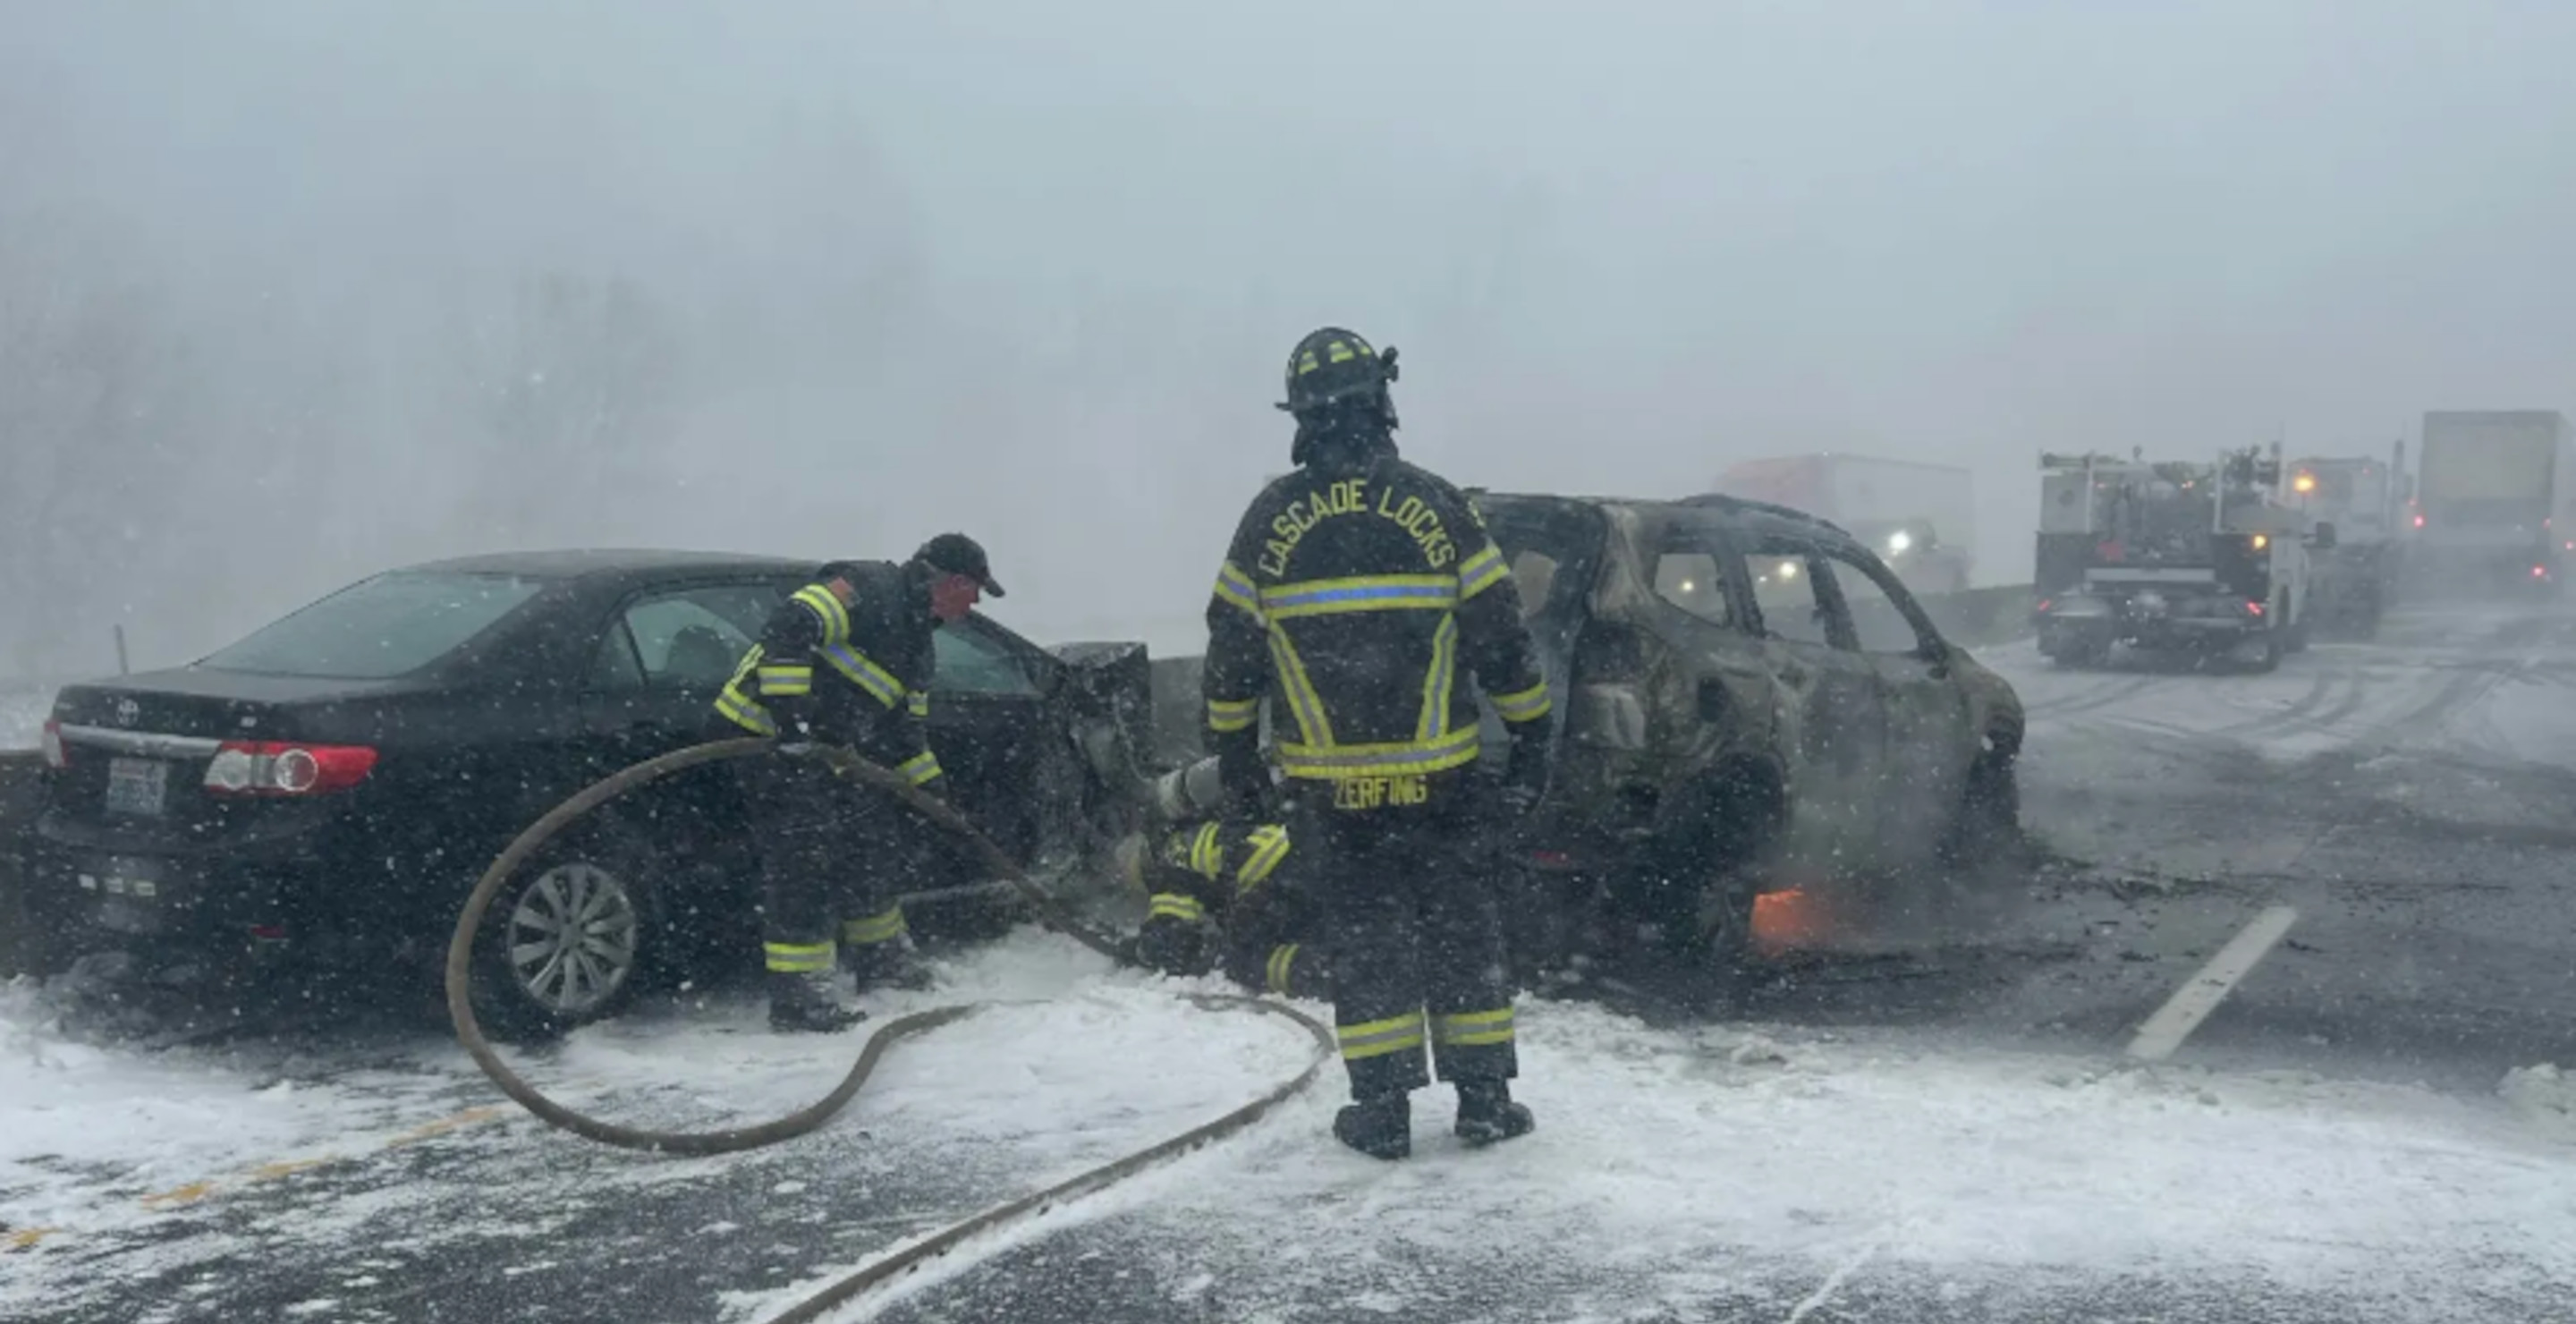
x: 1051, y: 911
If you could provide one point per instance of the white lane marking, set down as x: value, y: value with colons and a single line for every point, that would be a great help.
x: 1834, y: 1281
x: 2200, y: 995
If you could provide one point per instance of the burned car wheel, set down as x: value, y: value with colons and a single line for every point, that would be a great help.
x: 1989, y: 820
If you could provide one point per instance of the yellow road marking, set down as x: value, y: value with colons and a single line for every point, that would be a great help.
x: 179, y: 1197
x: 288, y: 1168
x: 188, y: 1194
x: 442, y: 1126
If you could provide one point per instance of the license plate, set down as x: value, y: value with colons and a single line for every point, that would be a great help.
x: 137, y: 786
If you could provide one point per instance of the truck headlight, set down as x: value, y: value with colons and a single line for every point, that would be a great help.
x: 1900, y: 541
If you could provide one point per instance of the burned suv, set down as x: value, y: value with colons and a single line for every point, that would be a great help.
x: 1747, y: 696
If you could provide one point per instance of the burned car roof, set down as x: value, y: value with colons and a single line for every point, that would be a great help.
x: 1759, y: 516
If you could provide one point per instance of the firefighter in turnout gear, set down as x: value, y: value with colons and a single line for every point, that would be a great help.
x: 1220, y: 900
x: 1359, y: 595
x: 846, y: 660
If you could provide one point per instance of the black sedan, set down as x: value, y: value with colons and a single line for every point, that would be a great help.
x: 321, y: 795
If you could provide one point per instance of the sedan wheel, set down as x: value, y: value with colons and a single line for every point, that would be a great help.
x: 572, y: 940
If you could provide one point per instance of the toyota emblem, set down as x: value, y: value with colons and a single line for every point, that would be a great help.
x: 128, y: 712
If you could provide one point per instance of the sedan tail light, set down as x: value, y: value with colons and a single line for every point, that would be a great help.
x: 269, y: 767
x: 55, y: 756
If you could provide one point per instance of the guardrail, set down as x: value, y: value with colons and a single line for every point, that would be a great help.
x: 1979, y: 616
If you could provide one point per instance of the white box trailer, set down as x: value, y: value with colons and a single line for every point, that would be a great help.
x: 1920, y: 518
x: 2495, y: 497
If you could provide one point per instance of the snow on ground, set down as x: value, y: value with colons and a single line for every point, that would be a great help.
x: 88, y: 1133
x: 1663, y: 1156
x: 1659, y: 1149
x: 134, y: 1166
x: 2471, y: 681
x: 2534, y: 718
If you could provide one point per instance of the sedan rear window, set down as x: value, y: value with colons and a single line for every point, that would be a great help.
x: 379, y: 628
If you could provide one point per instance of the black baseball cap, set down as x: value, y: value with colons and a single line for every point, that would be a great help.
x: 957, y: 554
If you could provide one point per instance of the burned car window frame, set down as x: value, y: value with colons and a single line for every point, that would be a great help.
x: 1700, y: 537
x: 1838, y: 630
x: 1928, y: 643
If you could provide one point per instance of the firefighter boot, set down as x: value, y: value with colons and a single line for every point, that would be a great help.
x: 1487, y: 1114
x: 1380, y: 1128
x: 893, y: 963
x: 803, y: 1004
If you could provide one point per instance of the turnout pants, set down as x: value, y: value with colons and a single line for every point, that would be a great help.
x: 834, y: 856
x: 1275, y: 940
x: 1417, y: 947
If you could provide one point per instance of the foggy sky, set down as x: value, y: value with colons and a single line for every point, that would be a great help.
x: 1030, y: 269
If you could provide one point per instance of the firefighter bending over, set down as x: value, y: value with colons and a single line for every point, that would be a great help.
x: 846, y: 661
x: 1356, y: 591
x: 1232, y: 901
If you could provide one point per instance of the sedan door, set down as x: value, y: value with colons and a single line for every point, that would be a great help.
x: 1835, y: 726
x: 663, y: 659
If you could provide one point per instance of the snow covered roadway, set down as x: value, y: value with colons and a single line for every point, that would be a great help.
x: 1925, y: 1117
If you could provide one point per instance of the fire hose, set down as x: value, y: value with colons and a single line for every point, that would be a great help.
x: 1050, y: 910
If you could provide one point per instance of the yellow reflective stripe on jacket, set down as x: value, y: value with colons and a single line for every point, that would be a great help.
x: 1173, y: 905
x: 746, y: 714
x: 786, y: 679
x: 1234, y: 586
x: 1332, y: 597
x: 864, y: 673
x: 920, y: 768
x: 1473, y: 1027
x: 1439, y: 681
x: 798, y: 958
x: 1207, y: 851
x: 1231, y: 715
x: 917, y: 703
x: 1332, y: 762
x: 738, y: 707
x: 1527, y: 705
x: 826, y: 608
x: 1269, y: 844
x: 1303, y: 702
x: 1281, y: 959
x: 1482, y: 571
x: 1379, y: 1038
x: 884, y: 926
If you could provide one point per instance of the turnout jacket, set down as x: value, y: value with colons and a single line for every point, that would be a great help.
x: 1356, y: 598
x: 855, y: 673
x: 1265, y: 916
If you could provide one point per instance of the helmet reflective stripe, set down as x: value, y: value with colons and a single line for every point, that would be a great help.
x: 1333, y: 364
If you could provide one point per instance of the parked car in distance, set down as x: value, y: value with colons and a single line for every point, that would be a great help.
x: 323, y: 793
x: 1743, y: 691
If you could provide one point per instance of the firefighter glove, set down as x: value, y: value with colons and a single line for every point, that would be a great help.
x: 1174, y: 946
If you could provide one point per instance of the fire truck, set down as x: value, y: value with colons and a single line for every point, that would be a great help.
x: 2367, y: 499
x: 2172, y: 555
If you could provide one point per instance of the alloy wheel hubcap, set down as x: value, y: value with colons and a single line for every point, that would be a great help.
x: 572, y: 938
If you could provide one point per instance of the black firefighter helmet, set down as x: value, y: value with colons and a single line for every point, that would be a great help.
x: 1333, y: 370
